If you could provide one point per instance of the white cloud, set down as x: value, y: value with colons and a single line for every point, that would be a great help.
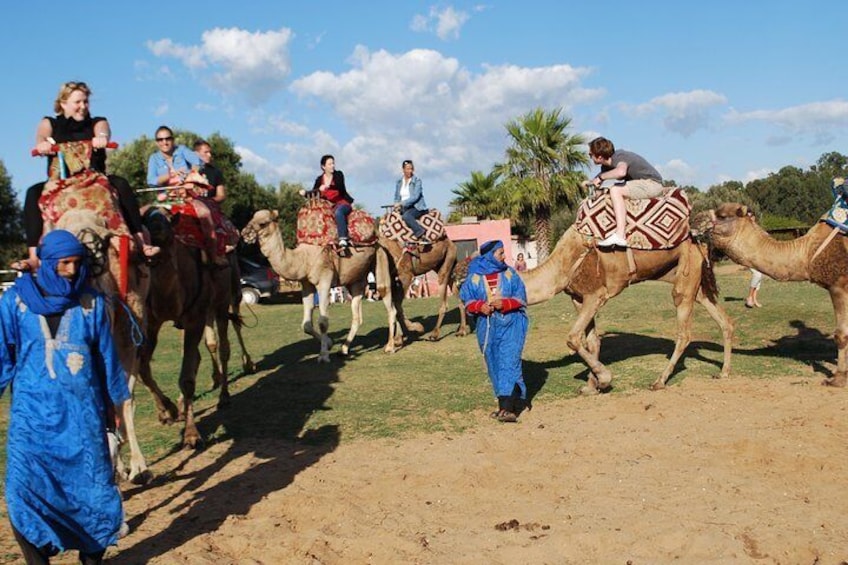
x: 679, y: 171
x: 820, y: 120
x: 254, y: 64
x: 424, y: 106
x: 161, y: 109
x: 682, y: 112
x: 758, y: 174
x: 445, y: 22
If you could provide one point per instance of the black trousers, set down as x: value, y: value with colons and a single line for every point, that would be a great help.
x: 41, y: 556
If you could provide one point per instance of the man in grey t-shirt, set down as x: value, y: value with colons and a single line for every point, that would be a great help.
x: 641, y: 180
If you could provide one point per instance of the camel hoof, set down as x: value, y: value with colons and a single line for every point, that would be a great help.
x: 416, y: 327
x: 192, y: 442
x: 461, y: 332
x: 249, y: 367
x: 389, y: 349
x: 141, y: 478
x: 345, y: 350
x: 658, y: 385
x: 836, y: 382
x: 433, y: 337
x: 589, y: 390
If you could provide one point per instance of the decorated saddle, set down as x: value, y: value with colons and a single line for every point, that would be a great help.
x: 392, y: 226
x: 652, y: 223
x: 78, y: 187
x: 837, y: 216
x: 316, y: 225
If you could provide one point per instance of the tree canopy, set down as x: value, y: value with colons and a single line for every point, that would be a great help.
x: 11, y: 222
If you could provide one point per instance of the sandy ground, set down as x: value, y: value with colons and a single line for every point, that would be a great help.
x: 709, y: 471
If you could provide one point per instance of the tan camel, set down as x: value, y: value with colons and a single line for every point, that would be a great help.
x: 127, y: 318
x: 735, y: 233
x: 315, y: 267
x: 592, y: 276
x: 439, y: 257
x: 198, y: 299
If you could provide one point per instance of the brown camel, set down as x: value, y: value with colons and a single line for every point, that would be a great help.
x: 735, y: 233
x: 314, y: 266
x: 127, y: 316
x: 592, y: 276
x: 439, y: 257
x: 195, y: 296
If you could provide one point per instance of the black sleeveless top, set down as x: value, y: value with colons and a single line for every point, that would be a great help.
x: 68, y: 129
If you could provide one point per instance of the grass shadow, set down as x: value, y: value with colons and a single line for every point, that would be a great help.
x: 265, y: 421
x: 808, y: 345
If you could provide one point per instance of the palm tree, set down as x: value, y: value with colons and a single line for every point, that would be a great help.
x: 478, y: 196
x: 541, y: 170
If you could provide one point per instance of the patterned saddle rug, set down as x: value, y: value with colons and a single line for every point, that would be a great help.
x: 83, y: 189
x: 392, y: 226
x: 316, y: 225
x: 837, y: 216
x: 653, y: 223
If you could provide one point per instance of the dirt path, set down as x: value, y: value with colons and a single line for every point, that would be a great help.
x: 732, y: 471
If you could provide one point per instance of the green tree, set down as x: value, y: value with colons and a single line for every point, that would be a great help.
x: 289, y: 202
x: 793, y: 193
x: 11, y: 222
x: 540, y: 170
x: 478, y: 196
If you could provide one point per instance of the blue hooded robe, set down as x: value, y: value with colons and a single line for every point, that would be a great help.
x: 60, y: 489
x: 500, y: 335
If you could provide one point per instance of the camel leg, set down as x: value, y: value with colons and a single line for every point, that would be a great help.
x: 211, y: 340
x: 323, y: 320
x: 840, y: 336
x: 683, y: 301
x: 462, y: 331
x: 383, y: 276
x: 357, y: 291
x: 405, y: 282
x: 601, y: 376
x: 445, y: 274
x: 247, y: 364
x: 188, y: 384
x: 724, y: 322
x: 222, y: 326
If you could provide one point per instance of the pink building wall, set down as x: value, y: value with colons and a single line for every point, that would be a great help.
x: 483, y: 231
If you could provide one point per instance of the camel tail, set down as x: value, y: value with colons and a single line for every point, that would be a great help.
x: 709, y: 285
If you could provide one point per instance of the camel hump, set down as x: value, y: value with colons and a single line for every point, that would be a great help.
x: 392, y: 226
x: 316, y: 225
x: 652, y: 223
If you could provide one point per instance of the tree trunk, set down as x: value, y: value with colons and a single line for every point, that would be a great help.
x: 542, y: 225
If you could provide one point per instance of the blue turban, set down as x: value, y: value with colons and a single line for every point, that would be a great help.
x: 485, y: 263
x: 48, y: 292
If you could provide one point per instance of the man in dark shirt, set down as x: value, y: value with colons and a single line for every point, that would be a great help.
x: 641, y: 180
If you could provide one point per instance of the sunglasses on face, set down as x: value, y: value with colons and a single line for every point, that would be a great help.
x: 169, y: 138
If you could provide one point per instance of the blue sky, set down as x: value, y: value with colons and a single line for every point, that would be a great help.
x: 706, y: 92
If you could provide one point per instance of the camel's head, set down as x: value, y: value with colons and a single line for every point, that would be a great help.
x: 727, y: 219
x: 262, y: 222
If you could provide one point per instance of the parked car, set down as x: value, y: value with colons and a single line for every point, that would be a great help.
x: 257, y: 281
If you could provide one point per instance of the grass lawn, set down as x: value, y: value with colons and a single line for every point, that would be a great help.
x: 442, y: 386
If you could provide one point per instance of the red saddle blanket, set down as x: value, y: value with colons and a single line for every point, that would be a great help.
x: 392, y: 226
x: 652, y: 223
x: 316, y: 225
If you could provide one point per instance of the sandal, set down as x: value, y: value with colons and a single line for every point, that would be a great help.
x: 507, y: 417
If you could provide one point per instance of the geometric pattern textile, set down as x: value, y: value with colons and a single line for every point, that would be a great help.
x: 652, y: 223
x: 837, y: 216
x: 392, y: 226
x: 316, y: 225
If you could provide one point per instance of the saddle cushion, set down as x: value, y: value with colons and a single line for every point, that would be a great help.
x: 87, y: 190
x: 316, y: 225
x: 653, y: 223
x: 837, y: 216
x: 392, y: 226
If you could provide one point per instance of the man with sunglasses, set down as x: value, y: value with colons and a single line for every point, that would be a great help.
x: 172, y: 162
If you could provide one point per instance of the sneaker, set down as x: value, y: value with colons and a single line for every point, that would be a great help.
x: 613, y: 240
x: 343, y: 242
x: 423, y: 240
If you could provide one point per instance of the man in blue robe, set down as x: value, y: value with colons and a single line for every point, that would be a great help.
x: 59, y: 360
x: 495, y: 294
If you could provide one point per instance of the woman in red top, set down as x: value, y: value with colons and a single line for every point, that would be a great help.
x: 330, y: 185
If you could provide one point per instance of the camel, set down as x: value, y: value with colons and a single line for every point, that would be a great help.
x: 127, y: 316
x: 591, y: 277
x: 315, y: 266
x: 810, y: 257
x: 439, y: 257
x: 196, y: 297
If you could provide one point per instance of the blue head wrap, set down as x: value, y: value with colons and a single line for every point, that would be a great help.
x: 485, y: 263
x: 48, y: 292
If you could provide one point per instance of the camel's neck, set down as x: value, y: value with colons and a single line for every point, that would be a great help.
x: 780, y: 260
x: 284, y: 261
x: 551, y: 277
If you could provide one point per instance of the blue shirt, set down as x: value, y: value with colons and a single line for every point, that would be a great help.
x: 184, y: 160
